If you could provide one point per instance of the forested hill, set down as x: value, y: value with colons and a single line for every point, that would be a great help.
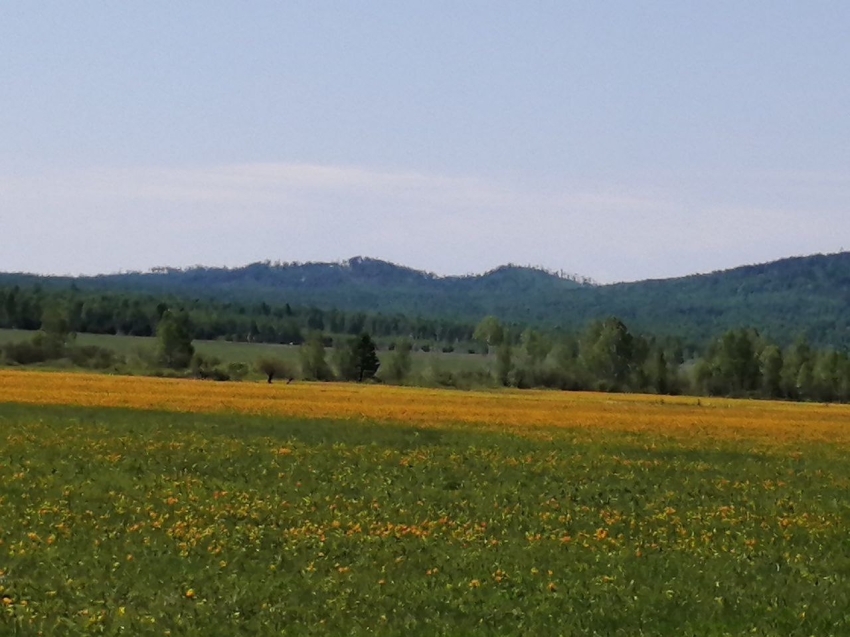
x: 801, y: 295
x: 783, y: 299
x: 359, y: 284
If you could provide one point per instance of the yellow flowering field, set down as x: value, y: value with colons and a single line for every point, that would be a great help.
x: 520, y: 410
x: 139, y: 506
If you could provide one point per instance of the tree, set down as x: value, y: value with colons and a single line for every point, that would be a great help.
x: 272, y: 367
x: 537, y: 346
x: 345, y: 360
x: 607, y: 353
x: 10, y: 307
x: 736, y: 362
x: 311, y: 355
x: 797, y: 369
x: 55, y: 332
x: 771, y: 371
x: 504, y: 363
x: 489, y: 332
x: 400, y: 363
x: 657, y: 372
x: 315, y: 319
x: 175, y: 340
x: 732, y: 365
x: 365, y: 357
x: 826, y: 376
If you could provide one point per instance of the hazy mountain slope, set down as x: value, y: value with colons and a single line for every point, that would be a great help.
x: 785, y: 298
x: 808, y: 295
x: 358, y: 284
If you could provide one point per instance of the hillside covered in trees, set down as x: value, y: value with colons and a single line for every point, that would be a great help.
x: 605, y: 355
x: 807, y: 296
x: 624, y: 337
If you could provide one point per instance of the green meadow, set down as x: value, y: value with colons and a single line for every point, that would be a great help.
x: 122, y: 522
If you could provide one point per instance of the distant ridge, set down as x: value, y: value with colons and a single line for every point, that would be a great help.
x: 800, y: 295
x: 360, y: 268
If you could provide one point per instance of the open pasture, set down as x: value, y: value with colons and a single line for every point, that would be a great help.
x: 149, y: 506
x: 250, y: 353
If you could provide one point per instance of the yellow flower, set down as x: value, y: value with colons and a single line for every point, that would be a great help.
x: 190, y: 593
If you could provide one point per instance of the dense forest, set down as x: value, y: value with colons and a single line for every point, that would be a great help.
x: 137, y: 314
x: 807, y: 296
x: 603, y: 355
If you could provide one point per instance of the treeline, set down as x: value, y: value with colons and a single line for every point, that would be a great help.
x: 136, y: 314
x: 808, y: 295
x: 606, y: 356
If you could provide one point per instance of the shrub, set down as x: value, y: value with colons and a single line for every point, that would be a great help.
x: 24, y: 353
x: 91, y: 356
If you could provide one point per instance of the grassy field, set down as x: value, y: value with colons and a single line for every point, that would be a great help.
x: 145, y: 506
x: 230, y: 352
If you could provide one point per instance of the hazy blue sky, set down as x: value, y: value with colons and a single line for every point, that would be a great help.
x: 618, y: 140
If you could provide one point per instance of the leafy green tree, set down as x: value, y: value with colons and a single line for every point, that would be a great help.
x: 504, y: 363
x: 489, y: 332
x: 10, y: 307
x: 806, y: 382
x: 606, y: 351
x: 770, y: 363
x: 843, y: 391
x: 315, y: 319
x: 400, y: 362
x: 658, y: 372
x: 174, y: 336
x: 826, y: 376
x: 311, y: 355
x: 55, y: 332
x: 736, y: 362
x: 797, y: 369
x: 274, y: 367
x: 732, y: 365
x: 536, y: 345
x: 345, y: 360
x: 567, y: 372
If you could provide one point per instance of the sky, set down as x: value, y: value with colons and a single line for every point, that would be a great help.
x: 616, y: 140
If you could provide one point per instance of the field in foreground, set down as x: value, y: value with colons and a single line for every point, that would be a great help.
x: 336, y: 509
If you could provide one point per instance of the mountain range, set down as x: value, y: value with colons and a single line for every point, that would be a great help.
x: 784, y: 299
